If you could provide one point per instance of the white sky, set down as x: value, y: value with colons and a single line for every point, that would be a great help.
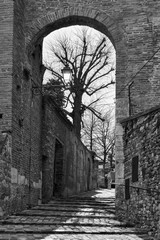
x: 109, y: 93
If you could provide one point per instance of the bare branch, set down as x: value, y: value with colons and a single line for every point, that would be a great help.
x: 47, y: 67
x: 98, y: 89
x: 95, y: 112
x: 90, y: 61
x: 92, y: 79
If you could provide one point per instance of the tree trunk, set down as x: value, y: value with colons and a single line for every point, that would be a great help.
x: 91, y: 135
x: 104, y: 167
x: 104, y: 173
x: 77, y: 114
x: 91, y: 141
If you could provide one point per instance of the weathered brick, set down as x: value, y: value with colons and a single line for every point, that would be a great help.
x: 133, y: 26
x: 74, y: 158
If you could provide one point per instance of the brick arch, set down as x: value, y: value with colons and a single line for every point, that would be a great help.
x: 99, y: 20
x: 104, y: 23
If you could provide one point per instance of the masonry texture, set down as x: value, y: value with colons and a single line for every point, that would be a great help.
x: 133, y: 26
x: 67, y: 164
x: 142, y: 142
x: 90, y: 216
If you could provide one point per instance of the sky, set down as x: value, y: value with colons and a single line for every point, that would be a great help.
x: 70, y: 32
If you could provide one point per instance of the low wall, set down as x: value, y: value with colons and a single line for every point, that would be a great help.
x: 141, y: 191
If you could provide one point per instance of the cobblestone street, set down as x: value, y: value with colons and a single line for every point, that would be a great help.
x: 88, y: 216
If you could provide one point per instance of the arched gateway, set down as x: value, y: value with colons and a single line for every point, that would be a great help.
x: 24, y: 25
x: 42, y: 26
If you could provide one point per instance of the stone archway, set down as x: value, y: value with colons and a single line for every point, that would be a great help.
x: 32, y: 21
x: 134, y: 29
x: 104, y: 23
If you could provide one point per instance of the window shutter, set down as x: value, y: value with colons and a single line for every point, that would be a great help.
x: 127, y: 192
x: 135, y: 169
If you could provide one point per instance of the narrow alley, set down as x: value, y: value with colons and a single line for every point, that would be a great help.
x: 84, y: 217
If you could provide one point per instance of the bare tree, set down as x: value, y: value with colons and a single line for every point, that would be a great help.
x: 88, y: 131
x: 91, y: 62
x: 99, y: 136
x: 105, y: 140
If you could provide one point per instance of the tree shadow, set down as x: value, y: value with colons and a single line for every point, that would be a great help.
x: 82, y: 214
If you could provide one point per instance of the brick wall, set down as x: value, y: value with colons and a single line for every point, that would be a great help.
x: 142, y: 148
x: 132, y: 26
x: 6, y: 63
x: 5, y: 174
x: 77, y: 167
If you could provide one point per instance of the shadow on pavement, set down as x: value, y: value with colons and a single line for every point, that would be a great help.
x: 91, y: 214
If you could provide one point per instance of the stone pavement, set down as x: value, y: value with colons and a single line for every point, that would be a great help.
x: 89, y: 216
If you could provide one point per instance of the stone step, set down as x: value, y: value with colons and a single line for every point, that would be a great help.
x: 95, y: 206
x: 78, y: 197
x: 94, y: 201
x: 68, y: 203
x: 66, y: 229
x: 74, y: 236
x: 72, y: 209
x: 72, y: 224
x: 65, y: 212
x: 64, y: 220
x: 69, y: 219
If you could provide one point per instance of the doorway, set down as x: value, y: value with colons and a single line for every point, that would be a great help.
x: 58, y: 170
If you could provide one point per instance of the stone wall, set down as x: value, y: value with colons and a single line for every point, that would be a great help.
x: 142, y: 148
x: 15, y: 186
x: 5, y: 174
x: 132, y: 26
x: 77, y: 166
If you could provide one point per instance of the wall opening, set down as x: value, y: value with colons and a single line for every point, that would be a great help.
x: 68, y: 45
x: 58, y: 170
x: 38, y: 41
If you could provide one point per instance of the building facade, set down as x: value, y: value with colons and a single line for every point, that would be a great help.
x: 134, y: 29
x: 140, y: 201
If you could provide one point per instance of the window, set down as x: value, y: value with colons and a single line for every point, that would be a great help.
x: 127, y: 192
x: 135, y: 169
